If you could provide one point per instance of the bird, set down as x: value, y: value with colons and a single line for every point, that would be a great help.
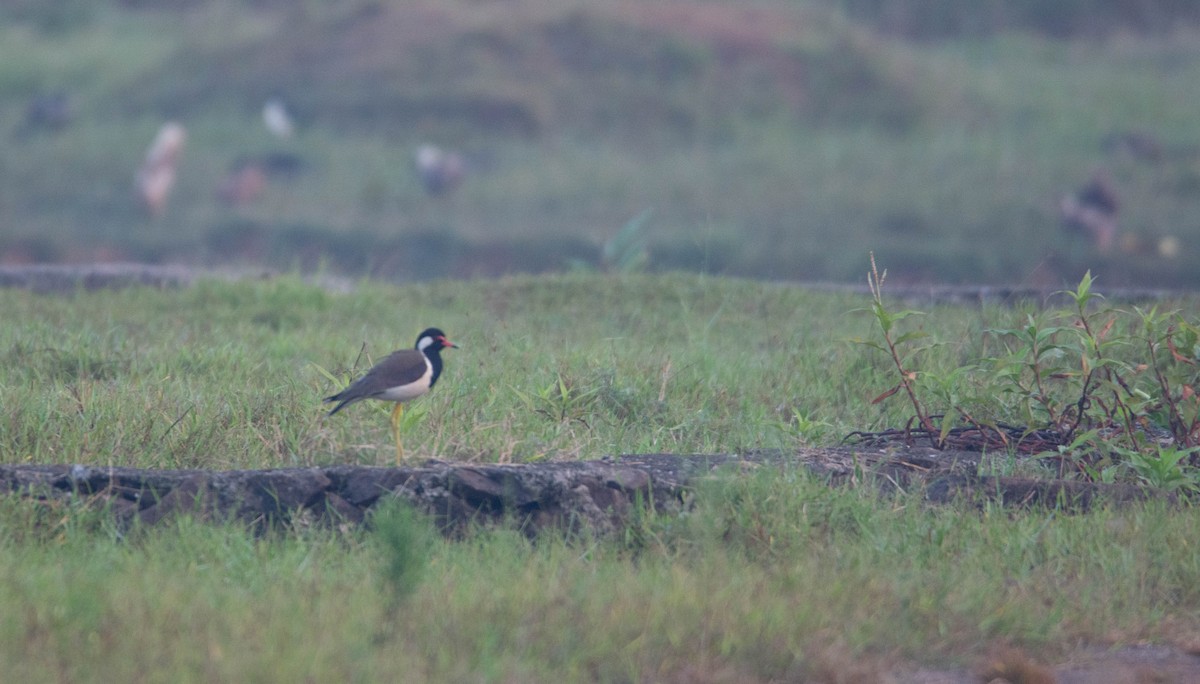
x: 156, y: 176
x: 277, y: 120
x: 245, y: 183
x: 1092, y: 210
x: 52, y: 111
x: 441, y: 172
x: 400, y: 377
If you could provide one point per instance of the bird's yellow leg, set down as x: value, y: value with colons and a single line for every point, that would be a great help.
x: 396, y: 413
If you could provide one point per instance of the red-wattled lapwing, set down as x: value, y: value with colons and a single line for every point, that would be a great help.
x: 402, y: 376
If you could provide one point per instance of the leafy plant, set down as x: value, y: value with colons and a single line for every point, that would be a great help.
x: 1175, y: 373
x: 626, y: 251
x: 804, y: 427
x: 892, y: 346
x: 561, y: 401
x: 1166, y: 468
x: 1072, y: 383
x: 1034, y: 362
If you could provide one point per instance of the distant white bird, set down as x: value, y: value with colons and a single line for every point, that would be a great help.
x: 277, y: 120
x: 440, y: 171
x: 156, y: 176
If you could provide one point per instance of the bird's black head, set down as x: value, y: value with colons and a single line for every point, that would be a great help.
x: 433, y: 340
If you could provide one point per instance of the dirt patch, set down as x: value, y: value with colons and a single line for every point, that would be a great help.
x: 1140, y: 664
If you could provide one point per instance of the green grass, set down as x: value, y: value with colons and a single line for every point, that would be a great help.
x: 773, y: 576
x: 946, y: 159
x: 230, y: 375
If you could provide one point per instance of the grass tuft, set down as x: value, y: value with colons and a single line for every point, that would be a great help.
x: 404, y: 537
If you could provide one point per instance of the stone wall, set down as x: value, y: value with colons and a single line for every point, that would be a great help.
x: 596, y: 495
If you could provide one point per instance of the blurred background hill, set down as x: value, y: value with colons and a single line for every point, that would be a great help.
x: 1001, y: 141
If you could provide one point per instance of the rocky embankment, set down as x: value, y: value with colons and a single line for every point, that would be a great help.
x: 596, y: 495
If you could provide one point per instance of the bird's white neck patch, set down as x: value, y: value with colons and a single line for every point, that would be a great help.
x: 424, y: 342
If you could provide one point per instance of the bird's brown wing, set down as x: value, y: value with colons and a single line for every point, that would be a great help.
x: 398, y: 368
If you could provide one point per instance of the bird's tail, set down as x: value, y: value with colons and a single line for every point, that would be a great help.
x: 343, y: 403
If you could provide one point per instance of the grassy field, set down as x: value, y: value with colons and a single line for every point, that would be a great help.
x: 773, y: 575
x: 768, y: 139
x: 761, y: 135
x: 231, y: 375
x: 772, y: 578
